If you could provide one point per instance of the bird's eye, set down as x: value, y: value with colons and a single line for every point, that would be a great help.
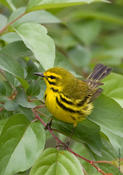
x: 52, y: 77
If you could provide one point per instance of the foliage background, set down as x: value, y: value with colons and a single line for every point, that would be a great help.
x: 79, y: 36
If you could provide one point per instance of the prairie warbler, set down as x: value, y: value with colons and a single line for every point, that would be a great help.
x: 68, y: 98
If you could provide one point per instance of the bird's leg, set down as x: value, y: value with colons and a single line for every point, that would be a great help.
x: 48, y: 125
x: 69, y: 141
x: 72, y: 132
x: 66, y: 144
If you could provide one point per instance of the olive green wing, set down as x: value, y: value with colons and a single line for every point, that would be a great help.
x: 78, y: 92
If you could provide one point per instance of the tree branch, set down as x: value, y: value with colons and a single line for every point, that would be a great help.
x: 69, y: 149
x: 10, y: 23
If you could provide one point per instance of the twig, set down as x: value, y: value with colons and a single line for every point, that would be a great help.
x: 41, y: 113
x: 103, y: 161
x: 70, y: 150
x: 89, y: 161
x: 111, y: 162
x: 10, y: 23
x: 39, y: 106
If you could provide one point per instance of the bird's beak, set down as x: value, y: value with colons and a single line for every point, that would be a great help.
x: 39, y: 74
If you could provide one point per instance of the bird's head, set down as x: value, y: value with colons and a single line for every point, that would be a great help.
x: 56, y: 77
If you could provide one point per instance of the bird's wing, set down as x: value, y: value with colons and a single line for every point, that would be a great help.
x: 78, y: 91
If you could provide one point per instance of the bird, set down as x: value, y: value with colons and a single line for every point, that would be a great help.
x: 70, y: 99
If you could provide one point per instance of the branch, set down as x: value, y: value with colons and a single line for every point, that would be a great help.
x: 69, y: 149
x: 39, y: 106
x: 41, y: 113
x: 103, y: 161
x: 10, y: 23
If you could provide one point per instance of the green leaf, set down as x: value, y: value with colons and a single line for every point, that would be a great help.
x: 86, y: 31
x: 9, y: 62
x: 113, y: 87
x: 107, y: 16
x: 56, y: 162
x: 3, y: 21
x: 40, y: 16
x: 27, y: 112
x: 31, y: 68
x: 86, y: 132
x: 114, y: 41
x: 16, y: 49
x: 3, y: 2
x: 2, y: 89
x: 10, y: 105
x: 22, y: 100
x: 108, y: 56
x: 44, y: 4
x: 10, y: 37
x: 62, y: 36
x: 34, y: 88
x: 2, y: 123
x: 21, y: 142
x: 23, y: 173
x: 109, y: 116
x: 7, y: 83
x: 15, y: 14
x: 85, y: 152
x: 80, y: 56
x: 62, y: 61
x: 42, y: 90
x: 108, y: 153
x: 36, y: 39
x: 10, y: 2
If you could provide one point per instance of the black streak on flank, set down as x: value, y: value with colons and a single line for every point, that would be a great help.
x: 81, y: 103
x: 66, y: 108
x: 66, y: 101
x: 45, y: 96
x: 73, y: 118
x: 54, y: 90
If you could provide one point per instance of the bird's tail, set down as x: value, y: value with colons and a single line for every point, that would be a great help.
x: 100, y: 71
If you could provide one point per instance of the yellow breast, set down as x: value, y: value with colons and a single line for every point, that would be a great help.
x: 65, y: 112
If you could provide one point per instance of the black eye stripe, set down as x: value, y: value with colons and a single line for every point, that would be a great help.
x: 52, y: 77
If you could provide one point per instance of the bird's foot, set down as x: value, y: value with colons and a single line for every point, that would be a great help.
x: 48, y: 125
x: 65, y: 146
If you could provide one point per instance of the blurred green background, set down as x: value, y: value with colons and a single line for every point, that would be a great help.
x: 85, y: 36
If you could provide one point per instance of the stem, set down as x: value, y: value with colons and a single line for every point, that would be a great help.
x: 89, y: 161
x: 49, y: 129
x: 10, y: 23
x: 70, y: 150
x: 103, y: 161
x: 41, y: 113
x: 39, y: 106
